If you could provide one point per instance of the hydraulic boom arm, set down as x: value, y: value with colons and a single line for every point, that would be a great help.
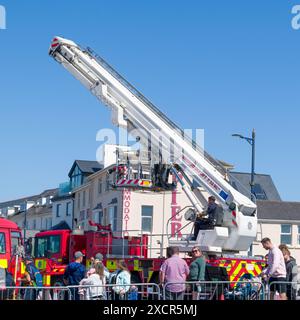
x: 131, y: 110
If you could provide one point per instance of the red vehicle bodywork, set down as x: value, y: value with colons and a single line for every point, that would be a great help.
x: 9, y: 235
x: 135, y: 251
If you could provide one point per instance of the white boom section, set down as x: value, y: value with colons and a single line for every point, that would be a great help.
x: 131, y: 109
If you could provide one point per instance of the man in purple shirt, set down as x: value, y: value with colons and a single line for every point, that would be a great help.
x: 174, y: 272
x: 276, y: 270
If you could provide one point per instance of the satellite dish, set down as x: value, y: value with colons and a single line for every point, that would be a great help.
x: 190, y: 215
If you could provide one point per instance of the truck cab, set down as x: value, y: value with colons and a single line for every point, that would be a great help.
x: 10, y: 234
x: 52, y: 245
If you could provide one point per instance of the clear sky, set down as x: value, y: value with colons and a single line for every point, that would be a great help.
x: 225, y: 66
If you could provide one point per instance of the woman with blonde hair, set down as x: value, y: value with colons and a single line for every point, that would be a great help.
x: 122, y: 280
x: 93, y: 287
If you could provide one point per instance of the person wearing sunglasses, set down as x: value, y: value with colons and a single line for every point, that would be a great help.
x: 197, y: 271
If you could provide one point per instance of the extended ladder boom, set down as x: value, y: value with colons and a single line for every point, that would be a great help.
x: 130, y: 109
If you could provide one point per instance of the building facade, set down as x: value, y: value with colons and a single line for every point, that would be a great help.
x: 279, y: 221
x: 129, y: 212
x: 33, y: 213
x: 63, y: 205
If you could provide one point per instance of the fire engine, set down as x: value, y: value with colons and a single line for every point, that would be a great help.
x: 170, y: 153
x: 54, y: 249
x: 10, y: 234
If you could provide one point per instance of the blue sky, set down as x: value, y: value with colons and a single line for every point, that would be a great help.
x: 225, y: 66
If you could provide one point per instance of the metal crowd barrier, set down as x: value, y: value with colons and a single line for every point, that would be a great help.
x: 214, y: 290
x: 113, y: 292
x: 203, y: 290
x: 274, y: 289
x: 35, y: 293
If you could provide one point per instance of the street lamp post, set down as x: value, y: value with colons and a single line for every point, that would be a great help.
x: 25, y: 222
x: 251, y: 141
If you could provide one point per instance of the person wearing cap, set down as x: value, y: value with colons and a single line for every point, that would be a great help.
x: 98, y: 259
x: 74, y: 273
x: 209, y: 222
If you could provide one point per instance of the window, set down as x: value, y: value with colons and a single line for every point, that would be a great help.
x: 298, y: 236
x: 58, y: 209
x: 90, y: 196
x: 34, y: 225
x: 100, y: 217
x: 100, y: 186
x: 113, y: 217
x: 76, y: 178
x: 83, y: 198
x: 78, y: 201
x: 105, y: 216
x: 147, y: 218
x: 2, y: 243
x: 47, y: 246
x: 68, y: 209
x: 286, y: 234
x: 107, y: 184
x: 15, y: 236
x: 259, y: 192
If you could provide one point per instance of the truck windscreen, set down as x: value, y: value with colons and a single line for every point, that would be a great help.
x: 45, y: 247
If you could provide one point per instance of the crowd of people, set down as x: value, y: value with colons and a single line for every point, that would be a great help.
x: 281, y: 270
x: 97, y: 283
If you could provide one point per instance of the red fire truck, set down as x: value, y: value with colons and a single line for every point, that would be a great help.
x: 10, y: 234
x: 55, y: 249
x: 169, y: 151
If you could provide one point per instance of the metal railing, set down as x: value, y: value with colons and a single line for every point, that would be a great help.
x: 115, y: 292
x: 179, y: 291
x: 214, y: 290
x: 35, y: 293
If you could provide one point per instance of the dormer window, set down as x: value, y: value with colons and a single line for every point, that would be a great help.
x: 76, y: 178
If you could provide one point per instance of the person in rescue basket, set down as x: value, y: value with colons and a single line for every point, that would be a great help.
x: 173, y: 273
x: 122, y: 281
x: 275, y: 273
x: 74, y: 273
x: 197, y: 271
x: 212, y: 213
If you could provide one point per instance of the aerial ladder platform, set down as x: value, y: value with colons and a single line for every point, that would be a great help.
x: 132, y: 111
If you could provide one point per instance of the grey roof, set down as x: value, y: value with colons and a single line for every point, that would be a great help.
x: 278, y: 210
x: 37, y: 210
x: 49, y: 193
x: 17, y: 202
x: 58, y: 197
x: 86, y: 166
x: 264, y: 180
x: 63, y: 225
